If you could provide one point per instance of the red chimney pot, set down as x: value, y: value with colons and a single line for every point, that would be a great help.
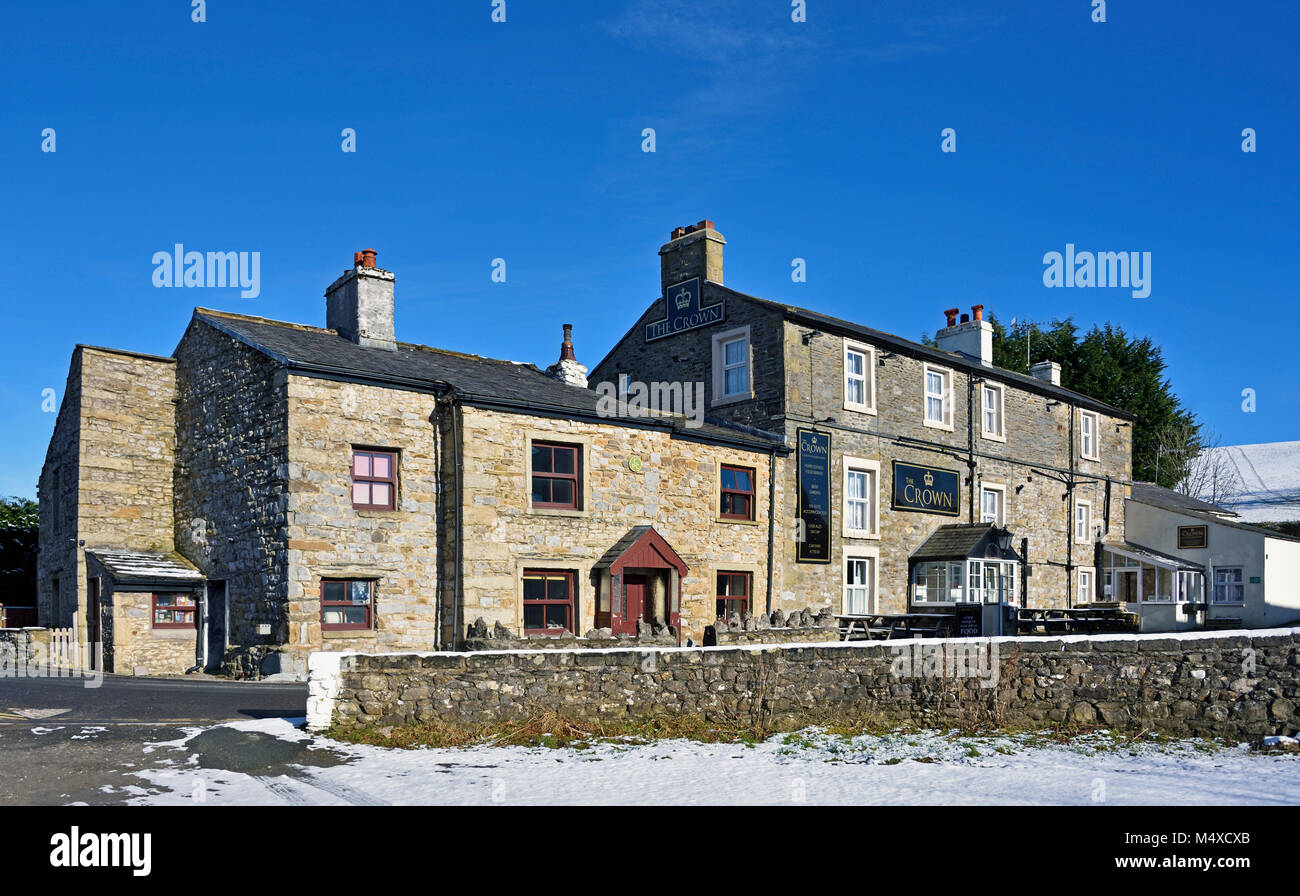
x: 978, y: 311
x: 951, y: 314
x: 566, y: 347
x: 367, y: 257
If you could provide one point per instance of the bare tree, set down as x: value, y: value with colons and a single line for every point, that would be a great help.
x: 1211, y: 475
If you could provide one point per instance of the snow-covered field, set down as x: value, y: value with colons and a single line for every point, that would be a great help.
x: 807, y: 767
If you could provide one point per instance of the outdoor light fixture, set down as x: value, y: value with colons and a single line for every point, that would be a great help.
x: 1052, y: 404
x: 1004, y: 539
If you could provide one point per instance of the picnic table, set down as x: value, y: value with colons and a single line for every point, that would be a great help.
x: 885, y: 626
x: 1070, y: 620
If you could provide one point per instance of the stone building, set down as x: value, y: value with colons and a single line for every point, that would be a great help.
x: 898, y: 442
x: 274, y: 488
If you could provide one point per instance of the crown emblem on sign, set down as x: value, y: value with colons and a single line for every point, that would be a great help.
x: 929, y: 479
x: 682, y: 299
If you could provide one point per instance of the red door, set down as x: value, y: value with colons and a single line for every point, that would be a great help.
x: 634, y: 595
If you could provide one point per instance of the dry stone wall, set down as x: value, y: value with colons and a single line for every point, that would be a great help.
x: 1228, y: 685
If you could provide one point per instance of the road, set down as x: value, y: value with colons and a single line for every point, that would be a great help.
x: 62, y: 742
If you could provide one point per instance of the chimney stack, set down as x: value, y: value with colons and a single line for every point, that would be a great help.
x: 359, y: 305
x: 567, y: 370
x: 1047, y: 371
x: 971, y: 338
x: 691, y: 251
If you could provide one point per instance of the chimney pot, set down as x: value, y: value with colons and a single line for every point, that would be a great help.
x: 965, y: 318
x: 368, y: 258
x: 567, y: 370
x: 951, y: 314
x: 977, y: 311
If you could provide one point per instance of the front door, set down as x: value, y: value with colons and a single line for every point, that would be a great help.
x: 635, y: 591
x: 216, y: 639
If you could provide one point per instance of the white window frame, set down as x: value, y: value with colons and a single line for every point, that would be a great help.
x: 868, y: 404
x: 1092, y: 452
x: 720, y: 341
x: 1084, y: 537
x: 947, y: 399
x: 1001, y: 491
x: 999, y: 434
x: 1086, y: 593
x: 873, y: 575
x: 872, y: 469
x: 1215, y: 585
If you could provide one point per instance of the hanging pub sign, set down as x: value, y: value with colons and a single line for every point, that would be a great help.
x: 814, y: 544
x: 926, y: 489
x: 682, y: 301
x: 1192, y: 537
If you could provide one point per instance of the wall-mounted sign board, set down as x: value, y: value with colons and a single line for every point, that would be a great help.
x: 684, y: 311
x: 814, y: 472
x: 925, y: 489
x: 1192, y: 537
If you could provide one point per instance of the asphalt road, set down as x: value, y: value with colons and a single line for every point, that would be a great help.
x: 62, y: 742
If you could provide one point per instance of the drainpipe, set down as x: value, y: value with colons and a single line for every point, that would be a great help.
x: 447, y: 393
x: 771, y: 522
x: 1069, y: 517
x: 970, y: 443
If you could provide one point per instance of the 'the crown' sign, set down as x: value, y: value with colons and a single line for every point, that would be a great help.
x: 925, y: 489
x: 684, y: 311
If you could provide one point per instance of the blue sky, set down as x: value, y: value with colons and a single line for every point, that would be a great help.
x: 819, y: 140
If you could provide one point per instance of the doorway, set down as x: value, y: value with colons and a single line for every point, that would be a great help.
x: 217, y: 621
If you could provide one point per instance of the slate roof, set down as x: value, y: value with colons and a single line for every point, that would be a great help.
x: 148, y: 567
x: 958, y: 540
x: 1165, y: 499
x: 1157, y: 496
x: 928, y: 353
x: 484, y: 382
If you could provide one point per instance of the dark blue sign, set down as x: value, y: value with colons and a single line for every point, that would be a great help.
x: 684, y: 311
x: 814, y: 544
x: 927, y: 489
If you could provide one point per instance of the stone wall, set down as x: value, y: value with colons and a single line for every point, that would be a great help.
x: 113, y: 449
x: 675, y: 490
x: 1229, y: 685
x: 1037, y: 442
x: 231, y: 472
x: 134, y: 647
x: 328, y: 538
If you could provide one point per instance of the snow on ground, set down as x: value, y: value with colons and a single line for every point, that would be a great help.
x: 807, y: 767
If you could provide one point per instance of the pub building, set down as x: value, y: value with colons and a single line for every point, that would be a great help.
x: 922, y: 478
x: 291, y: 488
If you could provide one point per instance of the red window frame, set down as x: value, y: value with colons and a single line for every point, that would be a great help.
x: 548, y: 577
x: 347, y: 602
x: 726, y: 594
x: 729, y: 496
x: 369, y: 481
x: 549, y: 476
x: 172, y: 608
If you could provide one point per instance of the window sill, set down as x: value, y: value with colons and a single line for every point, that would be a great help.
x: 857, y: 533
x: 993, y: 438
x: 732, y: 399
x: 724, y: 519
x: 556, y: 511
x: 946, y: 427
x: 357, y: 633
x: 861, y: 409
x: 1096, y: 459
